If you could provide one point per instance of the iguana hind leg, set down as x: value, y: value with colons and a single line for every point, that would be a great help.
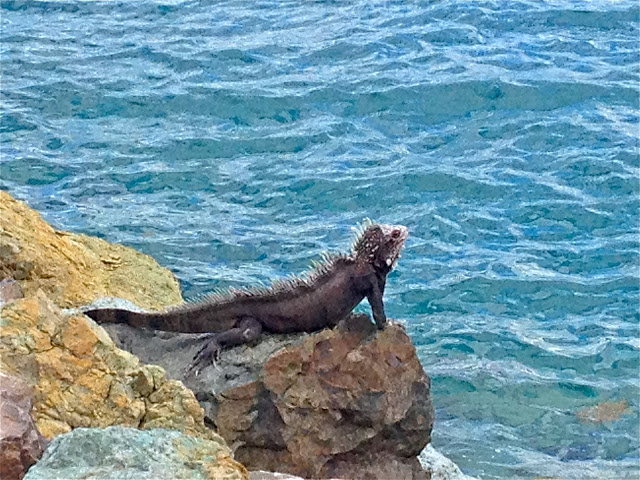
x: 247, y: 330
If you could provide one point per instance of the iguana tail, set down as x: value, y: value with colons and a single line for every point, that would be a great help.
x: 167, y: 321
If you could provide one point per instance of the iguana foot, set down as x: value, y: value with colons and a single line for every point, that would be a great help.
x: 208, y: 354
x: 381, y: 322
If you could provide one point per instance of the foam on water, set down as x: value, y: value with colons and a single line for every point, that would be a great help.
x: 235, y: 141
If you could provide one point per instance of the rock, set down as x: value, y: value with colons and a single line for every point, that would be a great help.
x: 126, y: 453
x: 74, y: 269
x: 262, y: 475
x: 441, y: 467
x: 603, y: 412
x: 21, y: 445
x: 81, y: 379
x: 436, y: 464
x: 351, y: 402
x: 9, y: 290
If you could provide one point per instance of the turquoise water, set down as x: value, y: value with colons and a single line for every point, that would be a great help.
x: 235, y: 141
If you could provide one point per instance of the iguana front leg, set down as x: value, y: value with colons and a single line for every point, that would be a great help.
x: 374, y: 296
x: 248, y: 330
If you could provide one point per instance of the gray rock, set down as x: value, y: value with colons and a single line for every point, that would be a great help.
x: 441, y: 467
x: 115, y: 453
x: 106, y: 302
x: 174, y: 352
x: 261, y: 475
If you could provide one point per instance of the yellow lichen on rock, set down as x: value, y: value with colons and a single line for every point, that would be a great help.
x: 75, y: 269
x: 215, y: 463
x: 171, y: 405
x: 81, y: 379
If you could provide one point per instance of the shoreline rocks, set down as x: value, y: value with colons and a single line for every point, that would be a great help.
x: 349, y: 402
x: 79, y: 377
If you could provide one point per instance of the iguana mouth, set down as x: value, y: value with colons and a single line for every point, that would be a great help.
x: 398, y: 235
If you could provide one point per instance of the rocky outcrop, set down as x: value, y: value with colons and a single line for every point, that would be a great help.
x: 21, y: 445
x: 351, y: 402
x: 72, y: 269
x: 81, y: 379
x: 125, y: 453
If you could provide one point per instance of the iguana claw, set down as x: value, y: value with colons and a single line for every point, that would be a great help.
x: 207, y: 355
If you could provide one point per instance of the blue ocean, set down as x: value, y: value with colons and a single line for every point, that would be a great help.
x: 235, y: 141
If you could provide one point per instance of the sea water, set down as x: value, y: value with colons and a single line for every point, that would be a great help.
x: 235, y: 141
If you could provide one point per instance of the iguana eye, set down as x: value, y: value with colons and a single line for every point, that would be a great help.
x: 395, y: 233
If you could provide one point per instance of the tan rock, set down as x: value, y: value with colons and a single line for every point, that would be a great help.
x: 74, y: 270
x: 82, y: 379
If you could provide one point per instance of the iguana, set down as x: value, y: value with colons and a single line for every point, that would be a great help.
x: 317, y: 300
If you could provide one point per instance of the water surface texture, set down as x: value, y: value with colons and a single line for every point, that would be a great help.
x: 236, y: 141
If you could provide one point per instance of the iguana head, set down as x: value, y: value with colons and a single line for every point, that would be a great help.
x: 380, y: 245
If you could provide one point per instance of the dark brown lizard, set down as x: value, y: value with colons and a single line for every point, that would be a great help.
x: 308, y: 303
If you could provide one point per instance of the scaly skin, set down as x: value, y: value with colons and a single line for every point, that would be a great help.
x: 306, y: 304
